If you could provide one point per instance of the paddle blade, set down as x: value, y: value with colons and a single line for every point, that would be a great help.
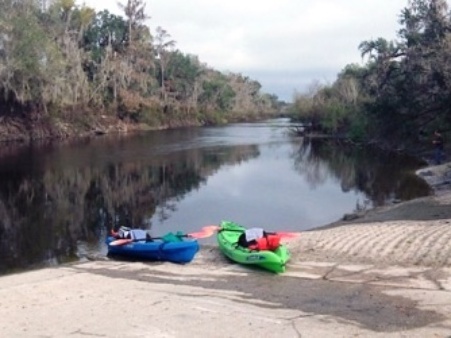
x: 121, y: 241
x: 206, y: 231
x: 288, y: 235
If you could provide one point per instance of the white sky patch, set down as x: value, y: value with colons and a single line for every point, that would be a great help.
x: 307, y: 37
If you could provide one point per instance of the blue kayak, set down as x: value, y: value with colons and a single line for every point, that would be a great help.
x: 182, y: 251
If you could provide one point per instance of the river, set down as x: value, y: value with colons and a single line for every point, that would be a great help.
x: 59, y: 200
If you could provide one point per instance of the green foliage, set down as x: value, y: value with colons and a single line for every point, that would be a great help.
x: 334, y: 118
x: 358, y: 129
x: 70, y: 59
x: 106, y: 30
x: 182, y: 72
x: 402, y: 91
x: 329, y: 109
x: 224, y: 100
x: 217, y: 93
x: 25, y: 52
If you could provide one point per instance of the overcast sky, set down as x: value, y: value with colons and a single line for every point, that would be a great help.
x: 283, y: 44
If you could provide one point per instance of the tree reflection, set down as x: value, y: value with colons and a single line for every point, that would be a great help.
x: 382, y: 176
x: 44, y: 214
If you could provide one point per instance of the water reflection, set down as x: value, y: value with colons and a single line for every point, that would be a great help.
x: 383, y: 177
x: 53, y: 201
x: 58, y: 201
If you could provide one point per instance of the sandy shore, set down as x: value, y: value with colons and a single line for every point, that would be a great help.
x: 387, y: 273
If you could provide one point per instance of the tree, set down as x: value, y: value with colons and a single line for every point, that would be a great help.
x: 135, y: 12
x: 60, y: 62
x: 183, y: 74
x: 405, y: 85
x: 137, y: 62
x: 163, y: 48
x: 24, y: 52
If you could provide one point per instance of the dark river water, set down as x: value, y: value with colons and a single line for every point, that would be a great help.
x: 58, y: 201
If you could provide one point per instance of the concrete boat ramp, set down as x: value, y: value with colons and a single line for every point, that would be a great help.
x: 215, y: 298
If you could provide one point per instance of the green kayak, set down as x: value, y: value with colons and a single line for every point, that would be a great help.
x: 228, y: 236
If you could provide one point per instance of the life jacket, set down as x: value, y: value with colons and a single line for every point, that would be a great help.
x: 268, y: 242
x: 258, y: 239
